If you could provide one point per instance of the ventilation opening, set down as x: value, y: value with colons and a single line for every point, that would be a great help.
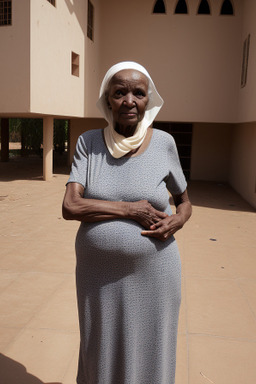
x: 204, y: 8
x: 227, y: 8
x: 5, y: 13
x: 159, y: 7
x: 181, y: 7
x: 75, y: 64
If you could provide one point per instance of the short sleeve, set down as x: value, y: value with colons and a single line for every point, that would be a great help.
x: 80, y: 162
x: 175, y: 181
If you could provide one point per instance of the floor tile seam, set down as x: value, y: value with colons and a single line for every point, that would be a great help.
x: 247, y: 301
x: 2, y: 290
x: 222, y: 337
x: 13, y: 339
x: 68, y: 365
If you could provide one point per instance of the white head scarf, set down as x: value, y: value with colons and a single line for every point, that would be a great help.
x: 117, y: 144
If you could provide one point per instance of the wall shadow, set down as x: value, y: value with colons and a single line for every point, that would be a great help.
x: 13, y: 372
x: 217, y: 195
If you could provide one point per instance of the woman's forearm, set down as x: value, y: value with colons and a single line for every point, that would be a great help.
x: 90, y: 210
x: 76, y: 207
x: 183, y: 206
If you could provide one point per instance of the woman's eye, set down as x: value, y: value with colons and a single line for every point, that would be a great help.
x: 118, y: 92
x: 140, y: 93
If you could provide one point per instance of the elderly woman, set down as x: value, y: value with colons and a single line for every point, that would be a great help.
x: 128, y: 265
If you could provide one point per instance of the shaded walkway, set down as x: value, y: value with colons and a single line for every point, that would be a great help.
x: 38, y: 319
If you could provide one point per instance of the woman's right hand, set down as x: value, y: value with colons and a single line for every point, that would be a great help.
x: 144, y: 213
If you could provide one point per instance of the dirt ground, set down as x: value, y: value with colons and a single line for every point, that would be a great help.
x: 39, y: 334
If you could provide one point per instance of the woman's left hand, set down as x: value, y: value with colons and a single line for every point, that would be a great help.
x: 165, y: 228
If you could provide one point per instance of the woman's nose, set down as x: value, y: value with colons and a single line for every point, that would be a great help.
x: 129, y: 100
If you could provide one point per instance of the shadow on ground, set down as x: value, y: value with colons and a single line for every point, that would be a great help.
x: 217, y: 195
x: 13, y: 372
x: 30, y: 168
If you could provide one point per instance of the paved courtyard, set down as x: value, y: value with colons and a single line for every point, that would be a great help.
x: 38, y: 316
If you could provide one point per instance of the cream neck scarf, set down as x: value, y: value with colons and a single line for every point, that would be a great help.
x: 117, y: 144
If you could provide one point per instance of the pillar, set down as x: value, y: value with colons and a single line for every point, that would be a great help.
x: 47, y: 147
x: 4, y: 140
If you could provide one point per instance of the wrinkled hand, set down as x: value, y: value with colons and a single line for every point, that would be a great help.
x: 145, y: 214
x: 165, y: 228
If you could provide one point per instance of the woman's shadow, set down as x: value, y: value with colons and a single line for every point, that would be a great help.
x: 12, y: 372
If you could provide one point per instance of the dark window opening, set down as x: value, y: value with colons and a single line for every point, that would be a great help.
x: 90, y: 17
x: 227, y: 8
x: 181, y: 7
x: 159, y: 7
x: 5, y: 12
x: 204, y: 8
x: 182, y: 134
x: 52, y: 2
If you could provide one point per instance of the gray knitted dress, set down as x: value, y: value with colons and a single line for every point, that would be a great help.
x: 128, y: 285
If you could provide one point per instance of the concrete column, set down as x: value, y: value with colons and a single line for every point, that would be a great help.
x: 47, y: 147
x: 4, y: 140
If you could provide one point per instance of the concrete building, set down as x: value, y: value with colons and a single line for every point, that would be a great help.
x: 201, y: 55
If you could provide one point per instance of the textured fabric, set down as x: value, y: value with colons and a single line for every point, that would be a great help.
x: 117, y: 144
x: 128, y: 285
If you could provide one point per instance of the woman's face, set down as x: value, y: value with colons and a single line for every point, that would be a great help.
x: 128, y: 99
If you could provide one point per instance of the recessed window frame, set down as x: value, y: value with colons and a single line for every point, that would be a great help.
x: 5, y: 13
x: 90, y: 21
x: 52, y: 2
x: 246, y: 50
x: 159, y: 8
x: 75, y: 63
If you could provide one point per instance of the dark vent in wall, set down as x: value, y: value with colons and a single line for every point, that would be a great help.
x: 204, y: 8
x: 159, y: 7
x: 181, y: 7
x: 227, y: 8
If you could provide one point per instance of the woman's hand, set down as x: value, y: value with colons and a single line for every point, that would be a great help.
x: 165, y: 228
x: 168, y: 226
x: 145, y: 214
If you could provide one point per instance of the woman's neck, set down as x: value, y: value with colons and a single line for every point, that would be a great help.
x: 126, y: 131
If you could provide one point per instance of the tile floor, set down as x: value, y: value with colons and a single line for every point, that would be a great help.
x: 38, y: 318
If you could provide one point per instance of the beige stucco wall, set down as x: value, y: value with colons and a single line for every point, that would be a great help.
x: 15, y: 61
x: 247, y: 95
x: 55, y: 32
x: 78, y: 126
x: 211, y: 148
x: 193, y: 59
x: 243, y: 161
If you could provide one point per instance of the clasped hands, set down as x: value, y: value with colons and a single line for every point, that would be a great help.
x: 156, y: 223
